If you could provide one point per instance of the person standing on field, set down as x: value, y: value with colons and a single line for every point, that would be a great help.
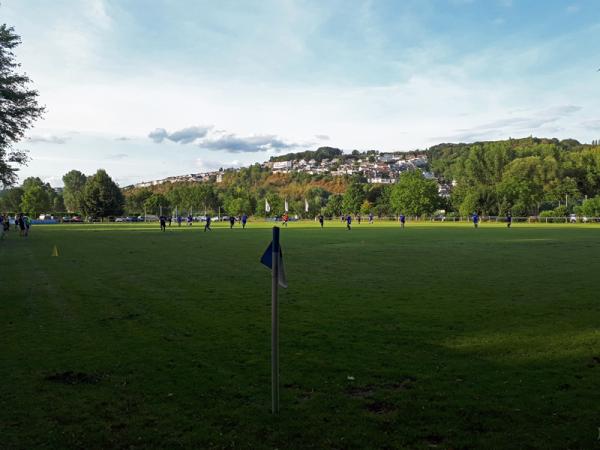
x: 370, y: 217
x: 207, y: 224
x: 285, y: 219
x: 244, y: 220
x: 3, y: 230
x: 190, y: 219
x: 508, y: 220
x: 231, y: 222
x: 21, y: 224
x: 179, y: 220
x: 27, y: 225
x: 402, y: 220
x: 348, y: 222
x: 475, y: 220
x: 163, y: 223
x: 321, y: 220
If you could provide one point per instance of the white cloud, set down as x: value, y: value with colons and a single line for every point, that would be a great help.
x: 48, y: 139
x: 183, y: 136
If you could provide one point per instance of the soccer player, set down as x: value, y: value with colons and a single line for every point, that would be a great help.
x: 21, y: 224
x: 370, y: 217
x: 244, y: 220
x: 321, y: 220
x: 475, y: 219
x: 207, y: 224
x: 358, y: 218
x: 348, y: 222
x: 231, y: 222
x: 190, y: 219
x: 508, y: 220
x: 170, y: 219
x: 27, y: 221
x: 179, y: 220
x: 163, y: 223
x: 285, y: 219
x: 6, y: 224
x: 402, y: 220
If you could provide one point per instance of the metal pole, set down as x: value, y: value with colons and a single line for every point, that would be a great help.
x: 275, y: 323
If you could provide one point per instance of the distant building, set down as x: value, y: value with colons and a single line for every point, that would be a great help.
x: 282, y: 166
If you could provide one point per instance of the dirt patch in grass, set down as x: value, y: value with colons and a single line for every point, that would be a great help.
x: 73, y: 378
x: 406, y: 383
x: 380, y: 407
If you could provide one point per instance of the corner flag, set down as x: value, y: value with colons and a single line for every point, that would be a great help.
x: 273, y: 259
x: 267, y: 260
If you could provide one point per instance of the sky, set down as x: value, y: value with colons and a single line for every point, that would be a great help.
x: 151, y: 88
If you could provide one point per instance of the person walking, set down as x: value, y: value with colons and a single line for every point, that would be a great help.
x: 321, y: 219
x: 402, y: 220
x: 348, y: 222
x: 163, y: 223
x: 508, y: 220
x: 207, y: 224
x: 476, y: 220
x: 244, y: 220
x: 371, y: 217
x: 231, y: 222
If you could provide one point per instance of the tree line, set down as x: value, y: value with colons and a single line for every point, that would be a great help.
x: 94, y: 196
x: 530, y: 176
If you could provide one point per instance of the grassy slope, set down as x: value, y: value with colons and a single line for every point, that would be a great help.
x: 454, y: 337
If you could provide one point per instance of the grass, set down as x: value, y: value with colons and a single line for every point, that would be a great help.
x: 434, y: 336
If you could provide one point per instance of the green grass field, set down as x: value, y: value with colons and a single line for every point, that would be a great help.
x: 434, y: 336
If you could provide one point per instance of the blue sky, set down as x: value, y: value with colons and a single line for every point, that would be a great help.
x: 147, y: 89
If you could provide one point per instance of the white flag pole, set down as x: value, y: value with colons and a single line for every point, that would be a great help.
x: 275, y: 323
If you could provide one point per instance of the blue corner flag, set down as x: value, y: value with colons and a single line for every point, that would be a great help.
x: 267, y: 260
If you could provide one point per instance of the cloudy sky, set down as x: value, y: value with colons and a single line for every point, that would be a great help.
x: 151, y: 88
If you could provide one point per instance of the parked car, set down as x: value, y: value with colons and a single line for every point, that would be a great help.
x: 66, y: 219
x: 76, y: 219
x: 120, y: 219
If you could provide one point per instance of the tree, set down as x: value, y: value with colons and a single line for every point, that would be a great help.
x: 156, y: 203
x: 18, y: 107
x: 591, y: 207
x: 11, y: 200
x: 353, y: 198
x: 414, y: 195
x: 74, y: 182
x: 102, y: 197
x: 35, y: 198
x: 334, y: 205
x: 134, y: 202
